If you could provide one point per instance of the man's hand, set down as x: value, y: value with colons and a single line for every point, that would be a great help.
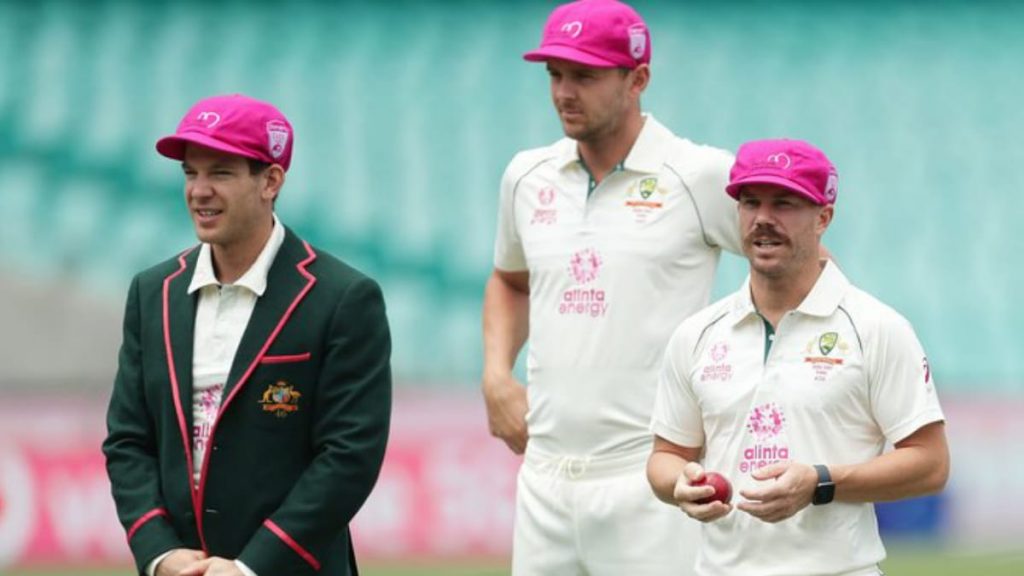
x: 506, y: 410
x: 786, y: 488
x: 212, y: 567
x: 177, y: 560
x: 686, y: 496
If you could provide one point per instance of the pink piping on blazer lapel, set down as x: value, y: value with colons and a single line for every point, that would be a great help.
x: 178, y: 338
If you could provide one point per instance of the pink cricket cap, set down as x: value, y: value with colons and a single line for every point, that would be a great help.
x: 792, y: 164
x: 596, y: 33
x: 235, y: 124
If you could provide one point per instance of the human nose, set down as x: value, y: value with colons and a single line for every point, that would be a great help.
x: 764, y: 215
x: 561, y: 89
x: 197, y: 186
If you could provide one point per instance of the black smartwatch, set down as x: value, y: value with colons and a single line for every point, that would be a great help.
x: 825, y: 491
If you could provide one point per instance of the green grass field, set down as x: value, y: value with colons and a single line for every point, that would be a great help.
x: 900, y: 563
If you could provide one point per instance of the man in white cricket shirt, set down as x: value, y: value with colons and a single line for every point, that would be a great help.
x: 791, y: 387
x: 606, y: 240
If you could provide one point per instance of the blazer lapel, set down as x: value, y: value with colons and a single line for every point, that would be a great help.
x: 287, y: 283
x: 179, y: 310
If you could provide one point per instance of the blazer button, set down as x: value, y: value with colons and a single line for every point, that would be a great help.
x: 212, y: 511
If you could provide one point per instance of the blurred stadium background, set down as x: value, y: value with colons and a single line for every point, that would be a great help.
x: 405, y: 115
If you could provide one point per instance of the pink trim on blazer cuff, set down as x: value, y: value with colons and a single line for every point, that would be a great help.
x: 292, y: 544
x: 145, y: 518
x: 268, y: 359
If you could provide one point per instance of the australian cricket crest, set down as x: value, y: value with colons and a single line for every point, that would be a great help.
x: 281, y: 399
x: 644, y: 197
x: 825, y: 353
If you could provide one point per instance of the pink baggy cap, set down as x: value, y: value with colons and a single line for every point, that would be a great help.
x: 792, y: 164
x: 596, y: 33
x: 235, y: 124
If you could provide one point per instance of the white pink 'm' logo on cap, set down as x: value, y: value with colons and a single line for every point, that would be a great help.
x: 781, y: 160
x: 210, y: 119
x: 572, y: 29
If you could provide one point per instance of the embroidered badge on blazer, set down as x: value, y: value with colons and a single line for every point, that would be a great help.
x: 281, y: 399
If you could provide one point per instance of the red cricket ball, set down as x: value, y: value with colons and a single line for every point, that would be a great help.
x: 723, y: 490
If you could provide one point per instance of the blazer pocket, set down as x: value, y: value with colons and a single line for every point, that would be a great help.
x: 285, y: 358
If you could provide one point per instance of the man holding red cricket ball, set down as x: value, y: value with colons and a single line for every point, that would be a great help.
x: 792, y: 387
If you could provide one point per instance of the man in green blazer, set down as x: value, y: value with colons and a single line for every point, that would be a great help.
x: 250, y: 411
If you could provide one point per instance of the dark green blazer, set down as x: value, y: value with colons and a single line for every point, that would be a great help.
x: 299, y: 439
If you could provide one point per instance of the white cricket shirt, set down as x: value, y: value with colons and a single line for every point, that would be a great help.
x: 843, y: 375
x: 613, y: 271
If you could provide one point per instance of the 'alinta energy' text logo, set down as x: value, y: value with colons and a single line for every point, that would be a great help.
x: 584, y: 268
x: 718, y: 369
x: 765, y: 423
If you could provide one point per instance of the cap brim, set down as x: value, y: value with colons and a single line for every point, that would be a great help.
x: 733, y: 188
x: 174, y: 146
x: 570, y: 54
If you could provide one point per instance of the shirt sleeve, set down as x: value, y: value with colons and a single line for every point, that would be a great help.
x: 903, y: 396
x: 245, y: 569
x: 716, y: 209
x: 677, y: 416
x: 508, y: 246
x: 151, y: 567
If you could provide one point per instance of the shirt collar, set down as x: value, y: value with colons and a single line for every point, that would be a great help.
x: 647, y: 154
x: 255, y: 278
x: 823, y: 299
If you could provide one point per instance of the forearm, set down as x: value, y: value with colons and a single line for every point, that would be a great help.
x: 665, y: 466
x: 506, y: 321
x: 663, y: 470
x: 918, y: 466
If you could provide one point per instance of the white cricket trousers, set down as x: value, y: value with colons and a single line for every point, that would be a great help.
x: 597, y: 517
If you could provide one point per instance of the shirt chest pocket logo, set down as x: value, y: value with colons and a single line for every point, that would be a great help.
x: 825, y: 353
x: 645, y: 199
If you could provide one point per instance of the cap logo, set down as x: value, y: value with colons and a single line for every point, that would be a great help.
x: 277, y: 137
x: 781, y: 160
x: 572, y: 29
x: 210, y: 119
x: 832, y: 187
x: 637, y: 41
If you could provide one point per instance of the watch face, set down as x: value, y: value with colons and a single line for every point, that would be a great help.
x: 824, y: 493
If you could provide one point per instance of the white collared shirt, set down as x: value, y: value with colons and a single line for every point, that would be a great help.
x: 222, y: 313
x: 612, y: 272
x: 844, y: 375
